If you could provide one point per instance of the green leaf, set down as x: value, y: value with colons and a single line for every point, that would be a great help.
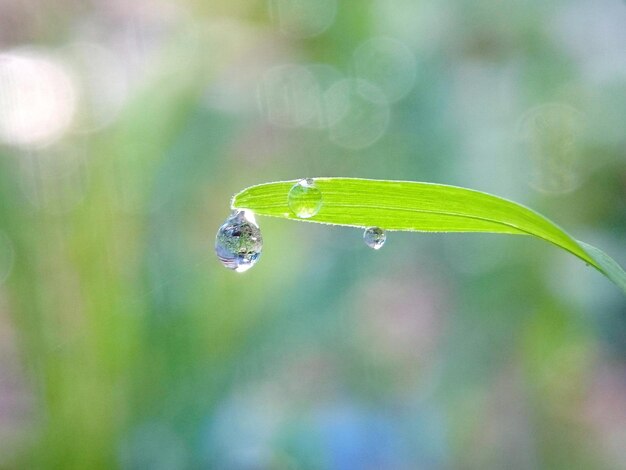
x: 422, y: 207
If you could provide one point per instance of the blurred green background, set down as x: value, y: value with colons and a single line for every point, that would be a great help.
x: 125, y: 128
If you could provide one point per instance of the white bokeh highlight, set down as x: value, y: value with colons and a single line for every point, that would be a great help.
x: 37, y: 98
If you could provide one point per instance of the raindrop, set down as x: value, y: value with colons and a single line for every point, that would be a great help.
x: 304, y: 199
x: 374, y: 237
x: 238, y: 243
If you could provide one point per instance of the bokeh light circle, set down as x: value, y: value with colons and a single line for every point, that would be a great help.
x: 389, y: 64
x: 358, y: 113
x: 37, y: 98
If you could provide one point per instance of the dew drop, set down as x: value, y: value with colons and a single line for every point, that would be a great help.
x: 304, y: 199
x: 374, y: 237
x: 238, y: 243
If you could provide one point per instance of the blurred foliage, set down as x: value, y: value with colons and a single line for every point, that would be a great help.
x: 126, y: 128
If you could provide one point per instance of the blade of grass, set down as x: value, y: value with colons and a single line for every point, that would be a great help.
x: 422, y: 207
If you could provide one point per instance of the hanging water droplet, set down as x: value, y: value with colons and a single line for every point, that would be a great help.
x: 374, y: 237
x: 304, y: 199
x: 239, y: 242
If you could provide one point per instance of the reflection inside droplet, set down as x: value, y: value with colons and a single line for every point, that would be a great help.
x: 305, y: 199
x: 238, y: 243
x: 374, y: 237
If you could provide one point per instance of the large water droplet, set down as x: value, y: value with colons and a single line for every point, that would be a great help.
x: 304, y: 199
x: 239, y: 242
x: 374, y: 237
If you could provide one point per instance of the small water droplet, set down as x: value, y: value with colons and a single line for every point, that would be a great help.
x: 374, y: 237
x: 238, y: 243
x: 304, y: 199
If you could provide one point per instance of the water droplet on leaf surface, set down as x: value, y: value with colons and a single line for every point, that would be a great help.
x: 304, y: 199
x: 374, y: 237
x: 238, y: 243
